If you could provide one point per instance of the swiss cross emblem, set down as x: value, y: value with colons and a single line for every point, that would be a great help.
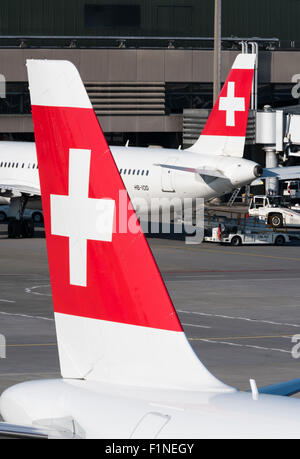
x: 231, y: 104
x: 79, y: 217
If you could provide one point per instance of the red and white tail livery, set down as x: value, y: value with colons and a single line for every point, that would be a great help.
x: 225, y: 130
x: 115, y: 320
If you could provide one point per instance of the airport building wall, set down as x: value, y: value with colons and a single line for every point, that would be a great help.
x: 247, y: 18
x: 143, y: 90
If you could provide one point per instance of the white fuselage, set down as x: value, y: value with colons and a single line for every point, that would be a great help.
x: 102, y: 410
x: 142, y: 174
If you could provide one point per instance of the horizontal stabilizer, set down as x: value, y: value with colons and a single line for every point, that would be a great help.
x: 195, y: 170
x: 286, y: 388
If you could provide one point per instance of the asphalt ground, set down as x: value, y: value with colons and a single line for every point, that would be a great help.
x: 239, y: 306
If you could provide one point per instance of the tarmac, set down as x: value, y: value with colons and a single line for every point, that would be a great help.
x: 239, y: 307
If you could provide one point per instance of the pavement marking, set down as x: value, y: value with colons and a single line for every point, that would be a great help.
x: 179, y: 276
x: 238, y: 318
x: 31, y: 344
x: 25, y: 315
x: 30, y: 290
x: 244, y: 337
x: 216, y: 271
x: 223, y: 252
x: 7, y: 301
x: 194, y: 325
x: 242, y: 279
x: 37, y: 373
x: 12, y: 274
x: 246, y: 345
x: 198, y: 277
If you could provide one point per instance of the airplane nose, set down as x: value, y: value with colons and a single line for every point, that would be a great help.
x: 258, y: 171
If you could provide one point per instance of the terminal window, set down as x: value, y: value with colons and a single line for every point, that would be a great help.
x: 112, y: 15
x: 175, y: 19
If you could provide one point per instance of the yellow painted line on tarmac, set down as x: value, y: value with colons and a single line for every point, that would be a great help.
x: 241, y: 337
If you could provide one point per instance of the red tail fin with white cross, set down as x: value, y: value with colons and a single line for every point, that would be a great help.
x: 225, y: 130
x: 114, y: 318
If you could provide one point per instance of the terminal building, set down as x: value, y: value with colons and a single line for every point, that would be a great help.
x: 147, y: 64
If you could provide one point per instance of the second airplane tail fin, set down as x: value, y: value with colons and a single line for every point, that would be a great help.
x: 225, y: 130
x: 114, y: 318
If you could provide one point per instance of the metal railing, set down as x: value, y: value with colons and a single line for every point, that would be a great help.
x: 114, y: 41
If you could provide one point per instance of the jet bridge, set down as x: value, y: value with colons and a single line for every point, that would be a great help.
x: 278, y: 131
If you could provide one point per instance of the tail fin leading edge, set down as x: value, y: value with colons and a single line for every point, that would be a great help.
x: 114, y: 318
x: 225, y: 130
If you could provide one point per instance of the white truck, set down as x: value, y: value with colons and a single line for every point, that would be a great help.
x: 291, y: 190
x: 272, y: 210
x: 238, y: 236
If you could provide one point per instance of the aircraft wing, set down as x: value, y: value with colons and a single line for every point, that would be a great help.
x: 18, y: 189
x: 63, y: 428
x: 286, y: 388
x: 282, y: 173
x: 196, y: 170
x: 21, y: 432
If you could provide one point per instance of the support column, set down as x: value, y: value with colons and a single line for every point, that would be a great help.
x: 272, y: 184
x: 217, y: 50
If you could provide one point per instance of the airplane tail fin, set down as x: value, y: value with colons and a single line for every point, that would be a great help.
x: 225, y: 130
x: 114, y: 318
